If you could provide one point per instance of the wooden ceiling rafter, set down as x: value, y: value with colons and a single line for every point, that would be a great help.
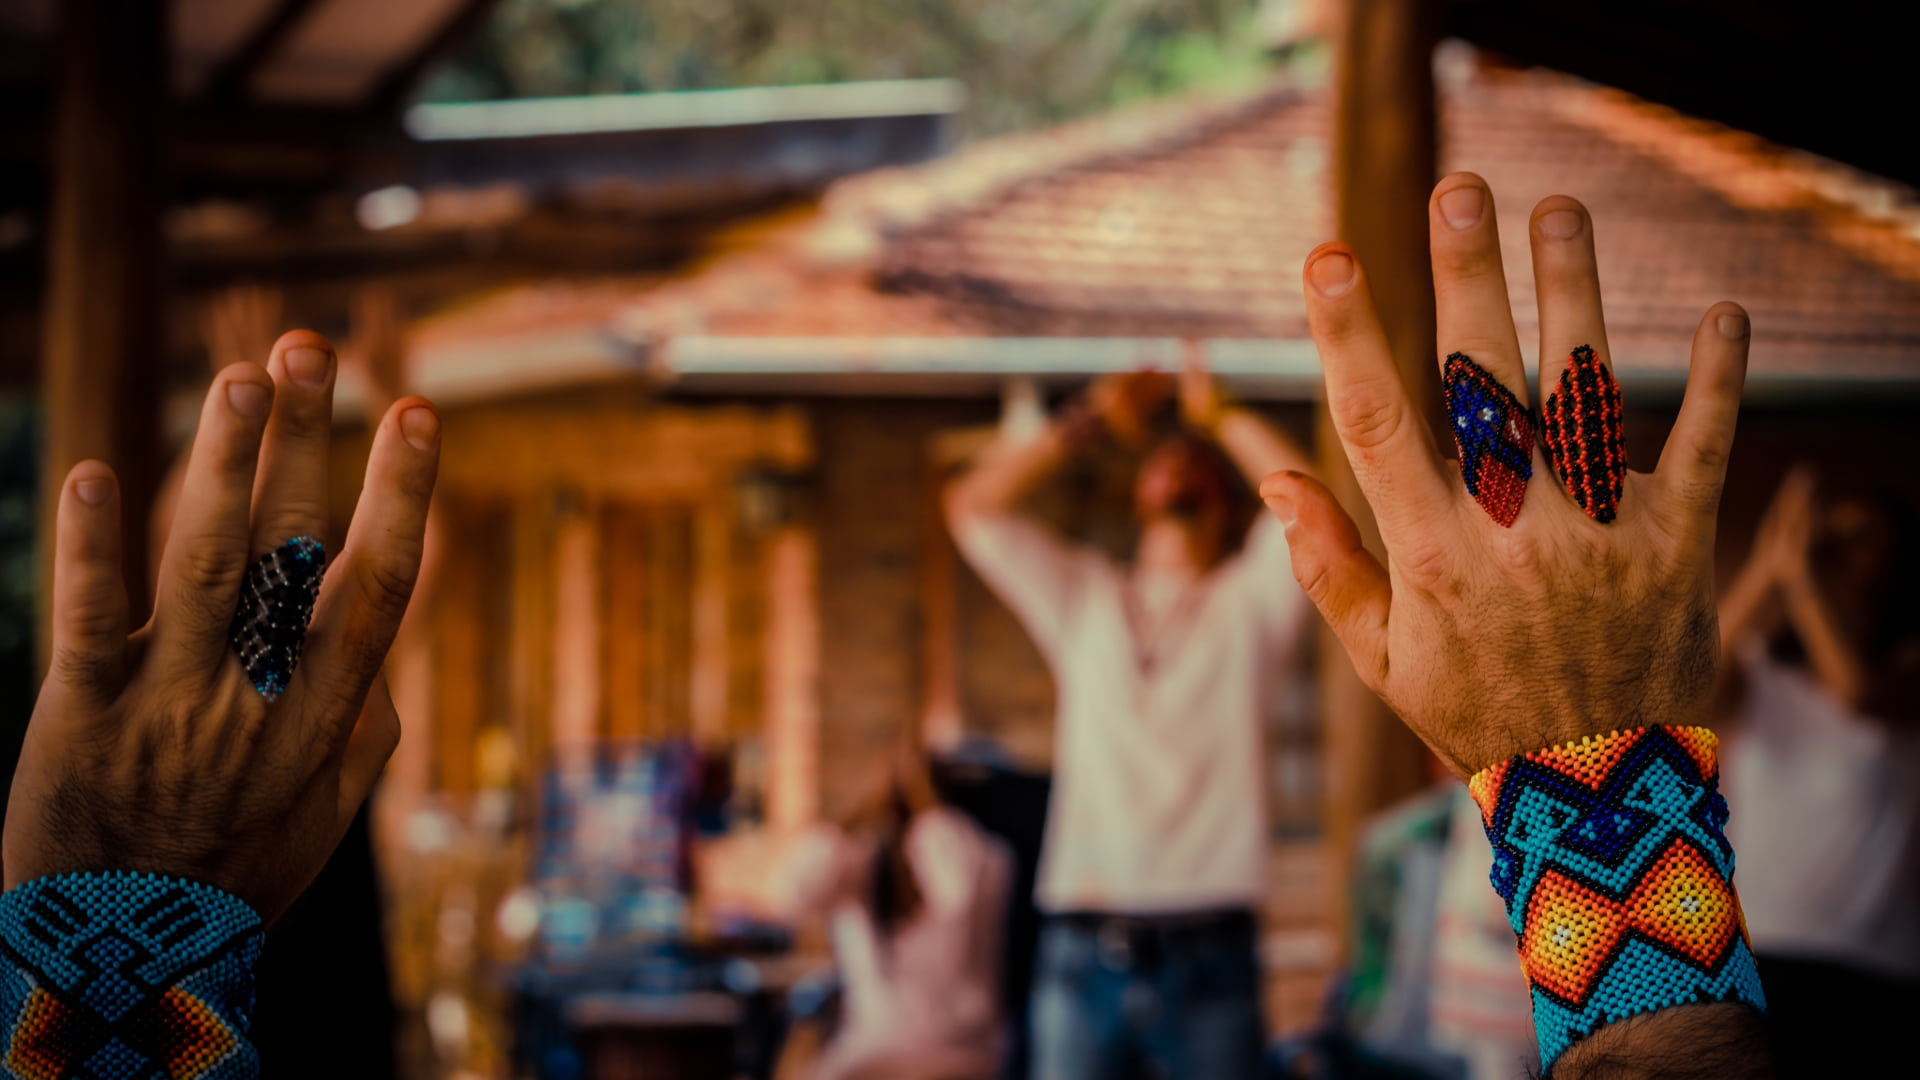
x: 232, y: 78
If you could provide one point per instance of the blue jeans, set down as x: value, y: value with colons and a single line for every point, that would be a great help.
x: 1147, y: 999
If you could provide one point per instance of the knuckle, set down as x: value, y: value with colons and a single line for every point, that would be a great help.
x: 202, y: 570
x: 296, y: 515
x: 1368, y: 415
x: 1317, y: 582
x: 388, y: 584
x: 84, y: 670
x: 94, y: 617
x: 1424, y: 564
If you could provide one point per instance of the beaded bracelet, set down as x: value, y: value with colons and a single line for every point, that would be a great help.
x: 1612, y: 858
x: 121, y: 976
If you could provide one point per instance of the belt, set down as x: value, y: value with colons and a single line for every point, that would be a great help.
x: 1127, y: 941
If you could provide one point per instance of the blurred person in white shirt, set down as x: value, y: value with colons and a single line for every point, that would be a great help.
x: 1821, y: 768
x: 1153, y: 866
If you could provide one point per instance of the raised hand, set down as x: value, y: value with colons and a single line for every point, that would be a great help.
x: 1202, y: 403
x: 1545, y: 622
x: 1492, y: 639
x: 152, y: 749
x: 1785, y: 537
x: 1125, y: 402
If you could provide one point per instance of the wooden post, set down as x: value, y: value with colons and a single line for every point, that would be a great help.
x: 1386, y: 143
x: 578, y: 620
x: 103, y: 336
x: 792, y: 668
x: 711, y: 672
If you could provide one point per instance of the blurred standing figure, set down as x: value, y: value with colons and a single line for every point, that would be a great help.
x: 1153, y: 866
x: 915, y: 895
x: 1822, y: 771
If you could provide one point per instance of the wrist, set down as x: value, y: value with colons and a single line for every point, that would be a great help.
x: 1611, y: 858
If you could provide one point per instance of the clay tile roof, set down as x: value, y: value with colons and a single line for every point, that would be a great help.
x: 1192, y: 217
x: 1204, y: 233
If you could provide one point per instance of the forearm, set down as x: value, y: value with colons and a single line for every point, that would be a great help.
x: 1832, y: 656
x: 1257, y: 447
x: 1008, y: 472
x: 1611, y: 857
x: 1686, y: 1042
x: 1741, y: 607
x: 127, y: 975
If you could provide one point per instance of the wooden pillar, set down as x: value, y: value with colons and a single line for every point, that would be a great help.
x: 712, y: 573
x: 1385, y: 152
x: 530, y: 630
x: 578, y: 620
x: 792, y: 669
x: 942, y: 721
x: 104, y: 346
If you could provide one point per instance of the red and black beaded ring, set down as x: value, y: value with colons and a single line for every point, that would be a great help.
x: 1585, y: 437
x: 1494, y: 435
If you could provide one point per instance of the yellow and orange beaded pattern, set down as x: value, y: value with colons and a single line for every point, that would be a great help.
x: 120, y: 976
x: 1612, y: 858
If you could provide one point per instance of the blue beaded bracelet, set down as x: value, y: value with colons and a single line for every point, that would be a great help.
x: 123, y: 976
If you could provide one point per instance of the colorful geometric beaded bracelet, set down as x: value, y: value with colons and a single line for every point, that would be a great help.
x: 1612, y: 858
x: 124, y: 976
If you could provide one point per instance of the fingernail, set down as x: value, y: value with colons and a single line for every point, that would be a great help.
x: 1282, y: 508
x: 308, y: 366
x: 1332, y: 273
x: 1463, y: 206
x: 420, y: 426
x: 94, y: 490
x: 250, y: 400
x: 1560, y: 224
x: 1732, y: 327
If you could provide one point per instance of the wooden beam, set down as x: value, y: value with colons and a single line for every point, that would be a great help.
x: 103, y: 339
x: 233, y: 77
x: 390, y: 93
x: 1386, y: 141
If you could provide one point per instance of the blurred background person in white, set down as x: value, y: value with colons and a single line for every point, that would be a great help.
x: 1821, y: 628
x: 1153, y: 866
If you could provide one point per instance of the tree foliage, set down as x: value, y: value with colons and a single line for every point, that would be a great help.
x: 1024, y: 62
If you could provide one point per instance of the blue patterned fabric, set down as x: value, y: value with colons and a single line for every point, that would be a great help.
x: 1612, y: 859
x: 125, y: 976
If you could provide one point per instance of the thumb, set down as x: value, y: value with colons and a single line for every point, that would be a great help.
x: 1338, y: 573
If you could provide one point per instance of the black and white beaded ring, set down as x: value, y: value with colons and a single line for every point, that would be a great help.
x: 276, y: 603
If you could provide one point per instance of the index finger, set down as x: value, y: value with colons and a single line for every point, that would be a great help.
x: 1385, y: 437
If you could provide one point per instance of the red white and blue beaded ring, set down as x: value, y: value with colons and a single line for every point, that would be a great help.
x: 1494, y: 434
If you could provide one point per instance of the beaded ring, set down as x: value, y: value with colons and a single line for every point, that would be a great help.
x: 1494, y: 434
x: 1612, y: 858
x: 1586, y: 440
x: 276, y: 604
x: 124, y: 976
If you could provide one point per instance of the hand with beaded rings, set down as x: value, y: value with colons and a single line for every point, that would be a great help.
x: 157, y: 749
x: 1554, y: 641
x: 1499, y: 626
